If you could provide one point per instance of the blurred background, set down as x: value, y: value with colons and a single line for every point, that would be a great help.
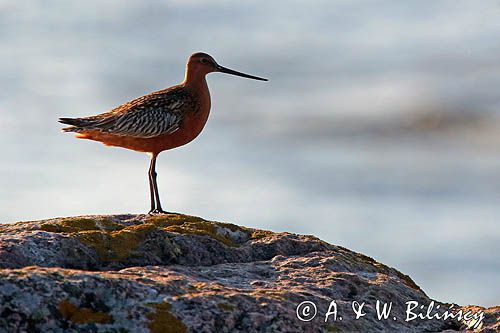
x: 379, y: 129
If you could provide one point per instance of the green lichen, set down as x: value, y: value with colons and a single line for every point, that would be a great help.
x: 167, y: 220
x: 225, y: 307
x: 163, y: 321
x: 202, y: 228
x: 71, y: 225
x: 116, y: 245
x: 332, y: 329
x: 258, y: 234
x: 82, y: 315
x: 186, y: 224
x: 115, y: 242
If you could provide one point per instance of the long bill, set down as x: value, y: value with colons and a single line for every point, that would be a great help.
x: 233, y: 72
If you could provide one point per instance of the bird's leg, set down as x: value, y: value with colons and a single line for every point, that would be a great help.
x: 153, y: 187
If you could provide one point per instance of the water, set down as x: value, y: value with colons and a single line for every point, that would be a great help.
x: 379, y: 129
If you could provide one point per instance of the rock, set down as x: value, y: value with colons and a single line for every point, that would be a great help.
x: 179, y: 273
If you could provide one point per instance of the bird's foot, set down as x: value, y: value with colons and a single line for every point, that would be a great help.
x: 157, y: 211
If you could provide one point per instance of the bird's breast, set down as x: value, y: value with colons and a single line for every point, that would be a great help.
x: 194, y: 121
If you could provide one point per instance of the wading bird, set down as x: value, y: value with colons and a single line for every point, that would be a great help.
x: 159, y: 121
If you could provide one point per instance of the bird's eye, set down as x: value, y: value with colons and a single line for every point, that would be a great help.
x: 204, y: 61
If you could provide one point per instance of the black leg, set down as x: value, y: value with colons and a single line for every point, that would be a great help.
x: 153, y: 188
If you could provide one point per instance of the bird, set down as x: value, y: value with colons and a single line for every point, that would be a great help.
x: 159, y: 121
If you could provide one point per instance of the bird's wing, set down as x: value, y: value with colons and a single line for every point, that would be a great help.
x: 145, y: 117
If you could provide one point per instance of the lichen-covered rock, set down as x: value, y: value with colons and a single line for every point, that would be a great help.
x: 119, y: 241
x: 178, y: 273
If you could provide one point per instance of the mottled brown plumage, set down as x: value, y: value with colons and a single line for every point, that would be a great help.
x: 159, y: 121
x: 148, y: 116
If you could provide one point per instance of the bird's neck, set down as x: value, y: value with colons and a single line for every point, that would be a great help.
x: 193, y: 75
x: 195, y: 81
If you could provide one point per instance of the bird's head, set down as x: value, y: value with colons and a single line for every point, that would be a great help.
x: 201, y: 64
